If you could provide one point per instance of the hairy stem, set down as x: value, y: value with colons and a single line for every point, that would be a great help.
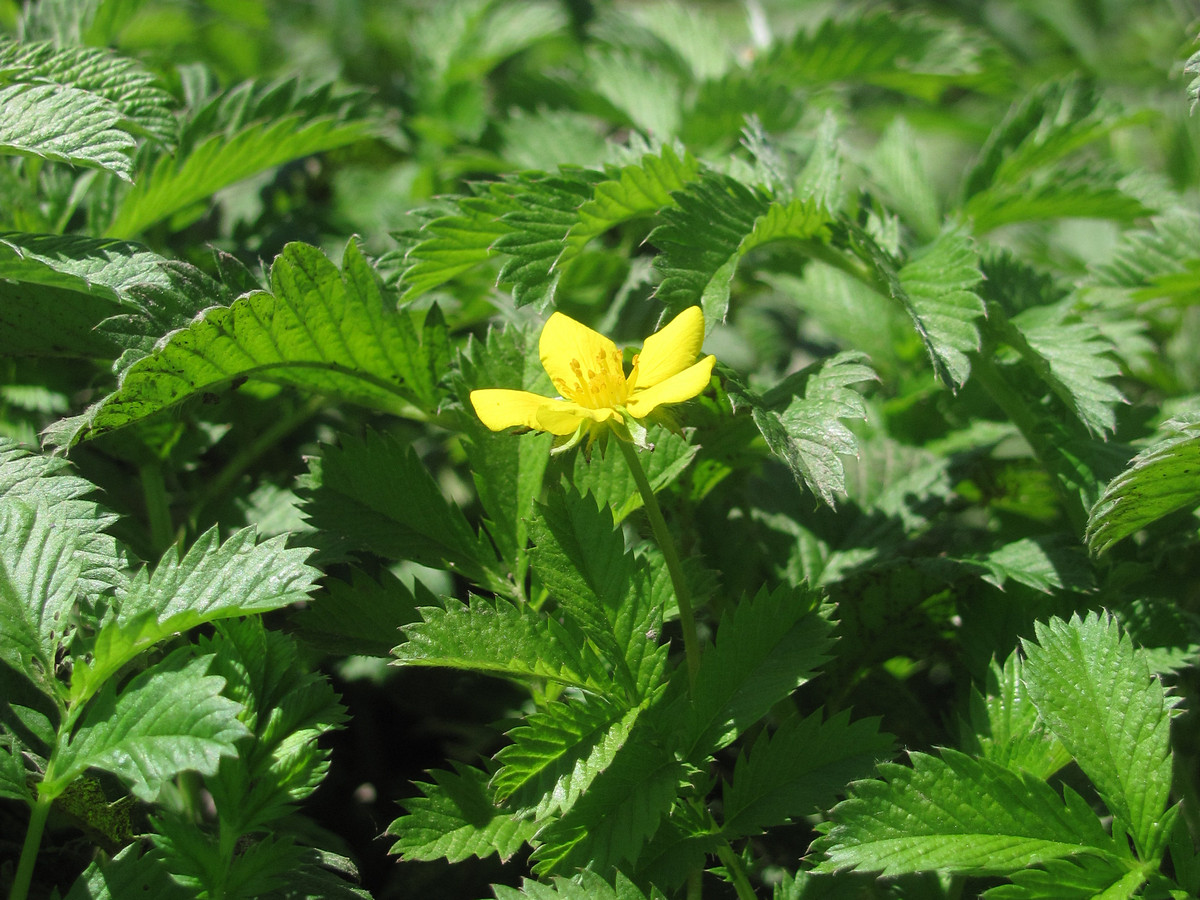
x: 733, y: 865
x: 666, y: 543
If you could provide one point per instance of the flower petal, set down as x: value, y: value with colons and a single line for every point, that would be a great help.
x: 679, y: 387
x: 563, y: 416
x: 670, y: 350
x: 499, y: 409
x: 565, y: 341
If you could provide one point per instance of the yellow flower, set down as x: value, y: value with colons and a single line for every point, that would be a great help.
x: 587, y: 368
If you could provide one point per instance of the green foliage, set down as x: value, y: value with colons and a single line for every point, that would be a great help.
x: 940, y: 492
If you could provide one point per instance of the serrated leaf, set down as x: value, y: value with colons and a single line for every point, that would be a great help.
x: 587, y: 885
x: 798, y: 770
x: 608, y: 477
x: 558, y: 752
x: 64, y: 124
x: 914, y: 54
x: 1006, y: 728
x: 1079, y: 192
x: 699, y: 240
x: 376, y: 494
x: 545, y: 211
x: 319, y: 330
x: 39, y: 573
x: 1081, y: 878
x: 296, y: 121
x: 131, y: 872
x: 897, y: 164
x: 808, y: 435
x: 1046, y: 564
x: 456, y: 819
x: 1156, y: 262
x: 918, y: 820
x: 144, y: 106
x: 767, y: 646
x: 1158, y: 481
x: 361, y: 616
x: 940, y: 282
x: 639, y: 90
x: 169, y: 719
x: 636, y: 190
x: 1072, y: 357
x: 614, y: 819
x: 502, y: 639
x: 211, y: 581
x: 99, y: 266
x: 1096, y: 694
x: 13, y: 779
x: 454, y: 244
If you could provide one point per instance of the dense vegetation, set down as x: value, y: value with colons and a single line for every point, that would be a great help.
x: 902, y: 603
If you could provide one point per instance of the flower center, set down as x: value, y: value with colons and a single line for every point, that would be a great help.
x: 599, y: 385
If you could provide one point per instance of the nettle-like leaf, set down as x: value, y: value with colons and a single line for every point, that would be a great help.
x: 65, y: 124
x: 558, y: 752
x: 144, y: 106
x: 361, y: 616
x: 319, y: 329
x: 452, y: 244
x: 1158, y: 481
x: 916, y: 820
x: 61, y: 287
x: 1072, y: 357
x: 797, y: 770
x: 1161, y: 261
x: 1046, y: 564
x: 608, y: 477
x: 1080, y: 878
x: 767, y: 646
x: 211, y: 581
x: 1192, y: 67
x: 587, y: 885
x: 1006, y: 728
x: 1095, y: 692
x: 636, y: 190
x: 456, y: 819
x: 169, y: 719
x: 940, y: 282
x: 620, y: 811
x: 131, y: 872
x: 500, y: 638
x: 252, y: 128
x: 913, y: 54
x: 376, y: 494
x: 39, y: 573
x: 1025, y: 170
x: 807, y: 434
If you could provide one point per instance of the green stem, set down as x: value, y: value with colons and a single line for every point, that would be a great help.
x: 683, y: 596
x: 158, y: 507
x: 29, y: 851
x: 695, y: 884
x: 733, y: 865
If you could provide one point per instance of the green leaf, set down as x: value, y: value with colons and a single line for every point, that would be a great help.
x: 456, y: 819
x: 1160, y: 261
x: 640, y: 189
x: 13, y: 778
x: 558, y: 752
x: 319, y: 330
x: 940, y: 281
x: 808, y: 435
x: 913, y: 54
x: 699, y: 240
x: 1158, y: 481
x: 251, y: 129
x: 898, y: 165
x: 619, y: 813
x: 1072, y: 357
x: 1005, y: 726
x: 916, y: 820
x: 1081, y: 878
x: 544, y: 214
x: 65, y: 124
x: 98, y: 266
x: 169, y: 719
x: 767, y: 646
x: 130, y: 873
x: 376, y: 494
x: 457, y: 243
x: 40, y: 568
x: 1046, y: 564
x: 1192, y: 67
x: 587, y: 885
x: 1095, y: 692
x: 211, y: 581
x: 799, y: 769
x: 608, y: 477
x: 144, y: 106
x: 502, y: 639
x: 362, y: 616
